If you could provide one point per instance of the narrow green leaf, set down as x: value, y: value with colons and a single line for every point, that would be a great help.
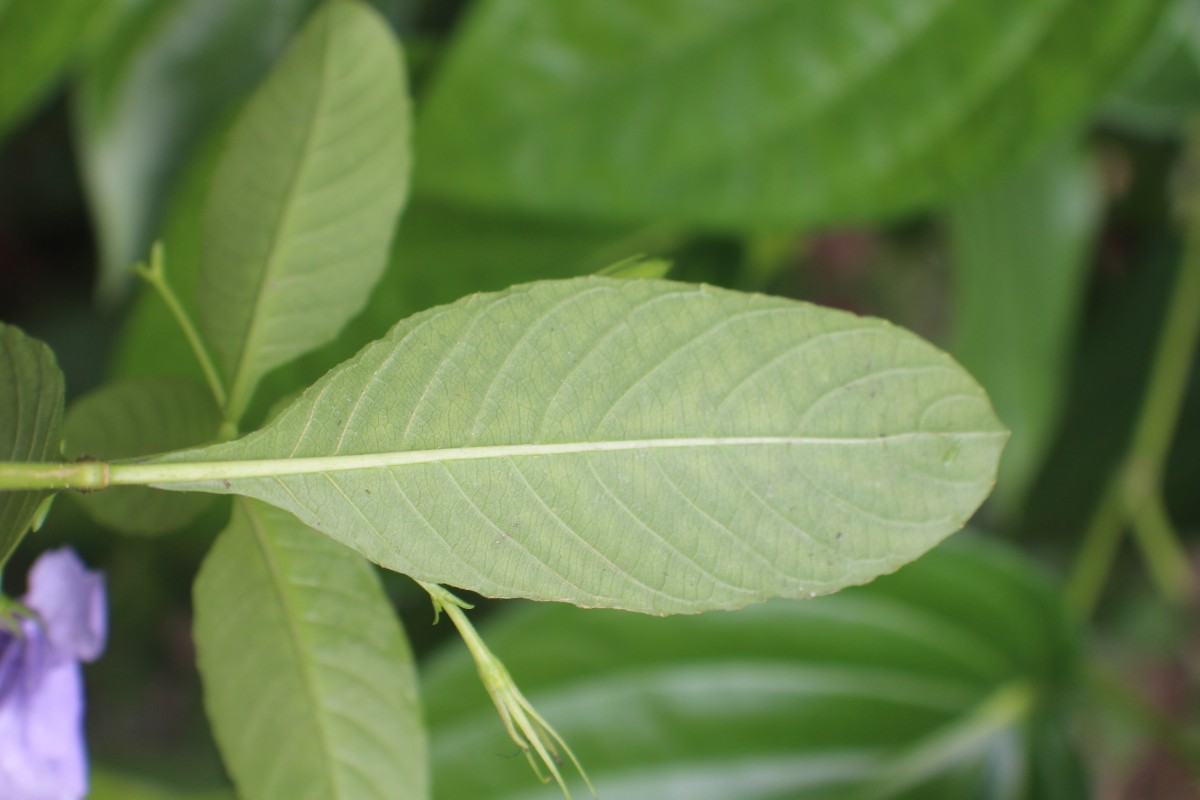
x: 138, y: 417
x: 305, y: 198
x: 308, y: 677
x: 637, y: 444
x: 38, y: 39
x: 170, y: 75
x: 1021, y: 247
x: 833, y: 699
x: 31, y: 411
x: 764, y: 112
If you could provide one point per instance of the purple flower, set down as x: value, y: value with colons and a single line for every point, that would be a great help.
x: 42, y: 751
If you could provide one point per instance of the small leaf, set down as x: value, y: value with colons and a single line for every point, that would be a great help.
x: 38, y: 38
x: 1020, y: 253
x: 763, y: 113
x: 636, y: 444
x: 31, y: 411
x: 838, y: 698
x: 138, y: 417
x: 308, y: 677
x: 305, y: 198
x: 637, y: 267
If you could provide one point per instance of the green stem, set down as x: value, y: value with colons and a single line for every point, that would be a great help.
x: 155, y: 274
x: 1096, y: 557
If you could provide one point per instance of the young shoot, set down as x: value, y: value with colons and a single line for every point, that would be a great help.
x: 524, y: 724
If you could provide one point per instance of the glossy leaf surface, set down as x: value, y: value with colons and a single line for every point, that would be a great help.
x: 760, y: 113
x: 305, y: 198
x: 941, y: 681
x: 308, y: 677
x: 138, y: 417
x: 647, y: 445
x: 31, y: 411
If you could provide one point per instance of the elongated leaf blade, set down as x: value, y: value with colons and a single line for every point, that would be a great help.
x: 137, y: 417
x: 829, y: 699
x: 305, y: 199
x: 1021, y: 246
x: 760, y: 113
x: 308, y: 677
x: 31, y: 411
x: 636, y: 444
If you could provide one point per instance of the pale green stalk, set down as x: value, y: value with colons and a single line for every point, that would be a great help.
x: 524, y: 724
x: 155, y: 274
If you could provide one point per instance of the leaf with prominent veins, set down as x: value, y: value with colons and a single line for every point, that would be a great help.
x: 636, y: 444
x: 31, y: 412
x: 305, y: 198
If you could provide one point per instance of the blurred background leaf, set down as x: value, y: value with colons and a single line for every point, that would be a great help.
x: 951, y: 678
x: 113, y: 785
x: 39, y: 40
x: 760, y: 114
x: 1021, y: 246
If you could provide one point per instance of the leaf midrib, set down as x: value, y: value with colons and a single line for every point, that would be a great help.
x: 296, y: 640
x: 180, y: 469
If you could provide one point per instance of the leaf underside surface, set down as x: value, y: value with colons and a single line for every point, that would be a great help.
x: 646, y: 445
x: 308, y: 677
x: 31, y: 412
x: 305, y: 198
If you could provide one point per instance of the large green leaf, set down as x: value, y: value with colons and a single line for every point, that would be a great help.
x: 138, y: 417
x: 946, y: 680
x: 31, y: 411
x: 38, y: 39
x: 308, y: 678
x: 170, y: 75
x: 1020, y: 252
x: 305, y: 199
x: 637, y: 444
x: 762, y: 112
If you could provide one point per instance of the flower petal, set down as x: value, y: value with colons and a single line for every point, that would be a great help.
x: 42, y: 751
x: 71, y: 601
